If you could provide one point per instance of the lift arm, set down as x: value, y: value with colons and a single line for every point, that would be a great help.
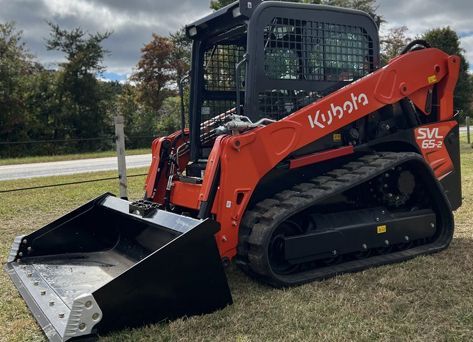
x: 410, y: 75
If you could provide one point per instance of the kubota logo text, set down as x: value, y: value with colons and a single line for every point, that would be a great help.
x: 323, y: 120
x: 430, y: 137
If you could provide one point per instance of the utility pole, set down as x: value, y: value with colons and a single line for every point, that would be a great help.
x: 120, y: 144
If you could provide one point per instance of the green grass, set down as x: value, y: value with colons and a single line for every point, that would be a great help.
x: 43, y: 159
x: 425, y: 299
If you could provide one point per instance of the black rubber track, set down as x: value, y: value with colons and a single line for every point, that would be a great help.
x: 259, y: 223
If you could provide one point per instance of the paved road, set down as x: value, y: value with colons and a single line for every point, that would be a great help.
x: 9, y: 172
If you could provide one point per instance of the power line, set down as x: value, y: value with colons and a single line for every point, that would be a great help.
x: 70, y: 183
x: 73, y: 140
x: 52, y: 141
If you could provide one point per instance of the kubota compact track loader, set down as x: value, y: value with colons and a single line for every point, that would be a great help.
x: 303, y: 159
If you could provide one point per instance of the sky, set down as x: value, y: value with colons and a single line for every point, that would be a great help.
x: 133, y: 22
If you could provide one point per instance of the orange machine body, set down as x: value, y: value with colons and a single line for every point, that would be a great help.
x: 240, y: 161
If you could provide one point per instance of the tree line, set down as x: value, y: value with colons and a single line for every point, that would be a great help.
x: 74, y: 107
x: 71, y: 106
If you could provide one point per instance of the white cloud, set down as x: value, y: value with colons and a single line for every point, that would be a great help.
x: 133, y: 22
x: 467, y: 45
x: 420, y: 16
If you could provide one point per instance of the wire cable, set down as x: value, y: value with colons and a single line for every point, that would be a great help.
x: 69, y: 183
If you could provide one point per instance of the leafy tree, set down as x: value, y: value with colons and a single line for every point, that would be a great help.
x: 82, y: 114
x: 170, y: 121
x: 84, y: 54
x: 447, y: 40
x: 217, y: 4
x: 163, y: 63
x: 368, y: 6
x: 140, y: 122
x: 43, y: 106
x: 155, y: 71
x: 393, y: 43
x: 180, y: 53
x: 16, y: 66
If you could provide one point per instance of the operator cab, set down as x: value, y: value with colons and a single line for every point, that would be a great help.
x: 270, y: 59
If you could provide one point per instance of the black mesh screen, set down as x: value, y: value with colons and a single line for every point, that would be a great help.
x: 212, y: 108
x: 219, y: 79
x: 327, y: 54
x: 219, y: 67
x: 277, y: 104
x: 331, y: 55
x: 310, y: 50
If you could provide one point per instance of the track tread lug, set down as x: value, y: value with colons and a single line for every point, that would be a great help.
x: 337, y: 173
x: 321, y: 180
x: 267, y: 204
x: 303, y: 187
x: 353, y: 166
x: 286, y: 194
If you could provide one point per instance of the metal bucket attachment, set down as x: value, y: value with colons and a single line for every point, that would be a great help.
x: 100, y: 268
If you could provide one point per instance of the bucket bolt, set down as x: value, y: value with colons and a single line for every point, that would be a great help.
x: 82, y: 326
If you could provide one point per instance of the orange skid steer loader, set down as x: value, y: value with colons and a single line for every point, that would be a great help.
x: 303, y: 159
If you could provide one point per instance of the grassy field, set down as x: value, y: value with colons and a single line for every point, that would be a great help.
x: 425, y: 299
x: 43, y: 159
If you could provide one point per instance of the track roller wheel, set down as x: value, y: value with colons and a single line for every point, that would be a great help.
x: 276, y: 247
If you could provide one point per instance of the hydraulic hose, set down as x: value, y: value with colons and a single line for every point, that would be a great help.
x: 421, y: 42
